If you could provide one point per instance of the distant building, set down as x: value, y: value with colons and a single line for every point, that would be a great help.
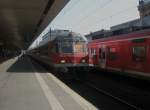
x: 144, y: 8
x: 141, y: 23
x: 98, y: 34
x: 127, y: 27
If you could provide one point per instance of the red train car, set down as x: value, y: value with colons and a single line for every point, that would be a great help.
x: 126, y: 53
x: 67, y: 51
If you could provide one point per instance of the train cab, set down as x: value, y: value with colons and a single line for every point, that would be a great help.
x: 66, y: 51
x: 69, y: 51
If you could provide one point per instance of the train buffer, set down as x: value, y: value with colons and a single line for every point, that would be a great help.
x: 24, y: 85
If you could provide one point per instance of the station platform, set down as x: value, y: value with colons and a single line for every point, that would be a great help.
x: 25, y: 85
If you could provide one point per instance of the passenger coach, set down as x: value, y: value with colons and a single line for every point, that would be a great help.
x: 126, y: 53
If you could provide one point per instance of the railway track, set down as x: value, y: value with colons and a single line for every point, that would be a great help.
x: 114, y: 97
x: 105, y: 93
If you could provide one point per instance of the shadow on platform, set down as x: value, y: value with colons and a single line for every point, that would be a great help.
x: 23, y: 65
x: 3, y: 59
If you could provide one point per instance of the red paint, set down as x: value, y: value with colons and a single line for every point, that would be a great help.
x: 69, y: 58
x: 122, y: 47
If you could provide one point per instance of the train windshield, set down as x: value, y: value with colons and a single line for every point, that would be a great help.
x: 80, y: 47
x: 73, y: 47
x: 73, y: 43
x: 66, y: 47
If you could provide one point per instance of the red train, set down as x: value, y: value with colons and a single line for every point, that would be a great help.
x: 63, y: 50
x: 126, y: 53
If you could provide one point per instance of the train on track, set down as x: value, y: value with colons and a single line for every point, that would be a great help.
x: 63, y: 51
x: 127, y: 53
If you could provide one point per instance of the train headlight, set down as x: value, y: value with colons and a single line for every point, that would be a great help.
x: 62, y: 61
x: 83, y: 60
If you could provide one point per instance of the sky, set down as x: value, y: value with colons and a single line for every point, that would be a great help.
x: 85, y: 16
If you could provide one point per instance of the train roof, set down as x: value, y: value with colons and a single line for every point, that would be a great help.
x: 134, y: 34
x: 59, y: 36
x: 72, y: 36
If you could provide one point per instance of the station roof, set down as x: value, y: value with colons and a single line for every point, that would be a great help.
x: 23, y: 20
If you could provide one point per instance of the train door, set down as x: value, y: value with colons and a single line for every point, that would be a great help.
x: 139, y: 55
x: 102, y: 56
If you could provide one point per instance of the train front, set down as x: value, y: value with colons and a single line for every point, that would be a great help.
x: 72, y: 52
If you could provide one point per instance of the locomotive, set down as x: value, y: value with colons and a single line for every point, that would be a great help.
x: 63, y: 51
x: 127, y: 53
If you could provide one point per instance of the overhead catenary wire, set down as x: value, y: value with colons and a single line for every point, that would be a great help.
x: 70, y: 8
x: 93, y: 12
x: 105, y: 18
x: 82, y: 18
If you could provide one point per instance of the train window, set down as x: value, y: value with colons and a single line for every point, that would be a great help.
x: 139, y: 40
x: 55, y: 48
x: 66, y: 47
x: 100, y: 53
x: 103, y: 55
x: 112, y: 53
x: 80, y: 47
x: 93, y: 52
x: 139, y: 53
